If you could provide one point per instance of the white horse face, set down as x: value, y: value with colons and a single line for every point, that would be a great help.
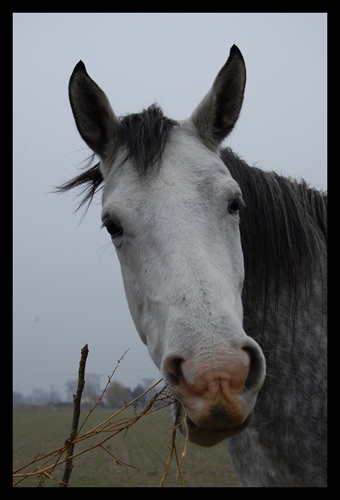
x: 176, y: 231
x: 179, y: 248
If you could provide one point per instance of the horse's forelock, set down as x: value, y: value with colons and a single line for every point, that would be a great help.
x: 143, y: 135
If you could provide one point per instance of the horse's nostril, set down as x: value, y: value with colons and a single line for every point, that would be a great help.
x: 255, y: 368
x: 174, y: 371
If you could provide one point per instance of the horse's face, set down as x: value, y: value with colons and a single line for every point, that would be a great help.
x: 178, y: 242
x: 177, y: 239
x: 176, y: 231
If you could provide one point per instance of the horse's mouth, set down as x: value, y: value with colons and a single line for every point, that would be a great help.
x: 208, y: 437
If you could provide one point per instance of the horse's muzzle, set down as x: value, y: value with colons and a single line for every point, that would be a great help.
x: 217, y: 394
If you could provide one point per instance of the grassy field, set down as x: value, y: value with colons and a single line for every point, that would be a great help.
x: 137, y: 457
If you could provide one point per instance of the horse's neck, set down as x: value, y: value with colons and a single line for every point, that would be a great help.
x: 295, y: 348
x: 272, y: 452
x: 283, y: 316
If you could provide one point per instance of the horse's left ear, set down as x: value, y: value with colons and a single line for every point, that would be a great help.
x: 95, y: 119
x: 218, y: 112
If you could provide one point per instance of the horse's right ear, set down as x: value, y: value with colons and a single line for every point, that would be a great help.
x: 95, y: 119
x: 217, y: 113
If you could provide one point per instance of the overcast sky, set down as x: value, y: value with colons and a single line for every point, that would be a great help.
x: 67, y: 285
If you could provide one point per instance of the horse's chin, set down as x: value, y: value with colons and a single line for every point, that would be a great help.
x: 208, y: 437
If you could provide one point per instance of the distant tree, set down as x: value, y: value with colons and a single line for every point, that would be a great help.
x: 147, y: 383
x: 39, y: 396
x: 54, y: 396
x: 18, y: 399
x: 91, y: 390
x: 117, y: 395
x: 140, y: 388
x: 137, y: 391
x: 71, y: 388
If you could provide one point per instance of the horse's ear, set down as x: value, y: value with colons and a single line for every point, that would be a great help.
x: 218, y: 112
x: 95, y: 119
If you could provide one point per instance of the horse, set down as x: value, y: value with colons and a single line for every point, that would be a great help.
x: 224, y: 269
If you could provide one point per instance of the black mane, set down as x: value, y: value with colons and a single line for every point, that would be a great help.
x: 283, y: 231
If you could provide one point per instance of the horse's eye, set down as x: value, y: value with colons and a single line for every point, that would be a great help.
x: 114, y: 229
x: 234, y: 207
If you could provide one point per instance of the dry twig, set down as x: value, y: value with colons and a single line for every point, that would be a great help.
x: 69, y: 443
x: 44, y: 465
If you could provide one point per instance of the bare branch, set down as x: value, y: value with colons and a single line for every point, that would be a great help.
x: 70, y: 442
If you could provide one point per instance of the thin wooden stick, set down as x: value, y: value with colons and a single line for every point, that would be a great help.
x: 69, y: 443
